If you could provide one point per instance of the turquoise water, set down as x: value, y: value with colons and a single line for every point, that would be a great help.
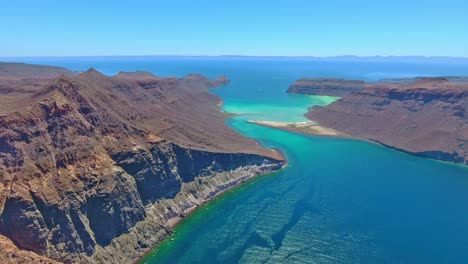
x: 338, y: 201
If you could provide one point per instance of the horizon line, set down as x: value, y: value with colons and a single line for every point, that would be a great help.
x: 241, y: 56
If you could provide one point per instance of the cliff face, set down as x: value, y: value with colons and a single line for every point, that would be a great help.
x: 426, y: 117
x: 325, y: 86
x: 10, y: 254
x: 96, y: 168
x: 172, y: 181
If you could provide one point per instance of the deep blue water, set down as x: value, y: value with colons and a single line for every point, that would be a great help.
x: 338, y: 201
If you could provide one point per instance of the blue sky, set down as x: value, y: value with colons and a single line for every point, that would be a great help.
x: 241, y: 27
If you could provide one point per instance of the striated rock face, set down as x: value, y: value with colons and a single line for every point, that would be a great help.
x: 172, y: 181
x: 325, y: 86
x: 426, y: 117
x: 160, y: 172
x: 97, y: 169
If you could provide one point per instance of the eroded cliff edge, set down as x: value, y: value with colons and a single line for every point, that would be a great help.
x: 98, y: 169
x: 422, y: 116
x: 325, y: 86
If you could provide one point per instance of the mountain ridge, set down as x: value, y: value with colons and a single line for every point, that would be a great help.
x: 88, y: 158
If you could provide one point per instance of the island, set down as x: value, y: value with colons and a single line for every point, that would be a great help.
x: 98, y: 168
x: 424, y: 116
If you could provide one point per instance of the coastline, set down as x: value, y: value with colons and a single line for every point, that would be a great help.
x: 174, y: 222
x: 414, y: 154
x: 306, y: 127
x: 177, y: 220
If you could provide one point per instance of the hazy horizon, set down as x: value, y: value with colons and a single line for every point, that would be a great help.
x: 237, y: 55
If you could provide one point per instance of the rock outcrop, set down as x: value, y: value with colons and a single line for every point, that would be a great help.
x: 425, y: 117
x: 96, y: 169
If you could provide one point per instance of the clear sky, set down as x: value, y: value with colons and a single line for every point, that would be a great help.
x: 241, y: 27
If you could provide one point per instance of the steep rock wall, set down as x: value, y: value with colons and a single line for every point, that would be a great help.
x: 425, y: 122
x: 81, y: 181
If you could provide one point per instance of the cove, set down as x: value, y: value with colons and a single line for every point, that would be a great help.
x: 337, y: 201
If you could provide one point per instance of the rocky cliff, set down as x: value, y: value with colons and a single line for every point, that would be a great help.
x: 97, y: 169
x: 325, y: 86
x: 425, y: 116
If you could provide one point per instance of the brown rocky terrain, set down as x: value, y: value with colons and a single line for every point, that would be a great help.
x: 10, y: 254
x: 325, y: 86
x: 97, y: 169
x: 422, y: 116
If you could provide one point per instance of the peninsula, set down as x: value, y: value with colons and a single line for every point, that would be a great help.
x: 423, y: 116
x: 96, y: 168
